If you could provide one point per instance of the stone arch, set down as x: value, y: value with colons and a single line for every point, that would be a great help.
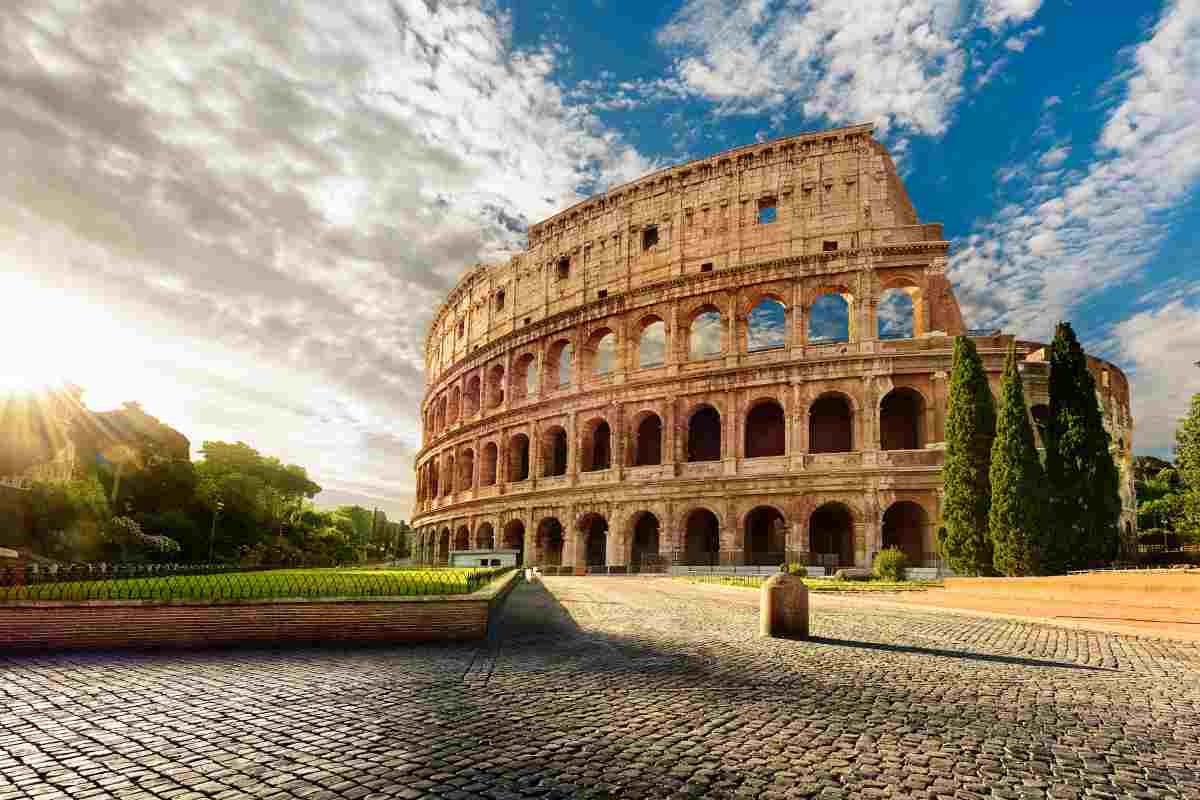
x: 495, y: 386
x: 701, y: 540
x: 592, y: 530
x: 550, y: 542
x: 905, y: 525
x: 472, y: 396
x: 554, y: 451
x: 518, y: 457
x: 899, y: 313
x: 513, y: 538
x: 764, y: 536
x: 488, y: 466
x: 454, y: 404
x: 647, y: 440
x: 466, y: 470
x: 560, y: 365
x: 597, y: 445
x: 644, y: 542
x: 830, y: 315
x: 450, y: 475
x: 704, y: 433
x: 766, y: 323
x: 831, y: 535
x: 705, y: 333
x: 831, y: 424
x: 525, y: 376
x: 462, y: 538
x: 600, y: 353
x: 652, y: 341
x: 442, y: 556
x: 902, y: 419
x: 485, y: 537
x: 765, y: 429
x: 433, y: 477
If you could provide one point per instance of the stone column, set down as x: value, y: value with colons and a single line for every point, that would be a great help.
x: 937, y: 430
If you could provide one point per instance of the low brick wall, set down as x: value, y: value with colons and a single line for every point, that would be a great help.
x: 1134, y: 587
x: 47, y: 626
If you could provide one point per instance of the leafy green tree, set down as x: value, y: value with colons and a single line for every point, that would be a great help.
x: 970, y: 430
x: 1017, y: 513
x: 1083, y: 520
x: 69, y: 518
x: 1187, y: 453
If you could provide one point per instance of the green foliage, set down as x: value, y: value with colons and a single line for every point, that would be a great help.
x: 1084, y: 507
x: 69, y: 518
x: 1017, y: 514
x: 970, y: 430
x: 1187, y: 453
x: 890, y: 564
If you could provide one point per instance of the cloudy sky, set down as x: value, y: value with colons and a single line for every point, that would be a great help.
x: 243, y: 214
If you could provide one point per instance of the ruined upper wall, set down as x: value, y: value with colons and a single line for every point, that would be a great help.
x: 831, y: 189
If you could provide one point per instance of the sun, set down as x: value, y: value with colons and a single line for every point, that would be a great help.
x: 43, y: 337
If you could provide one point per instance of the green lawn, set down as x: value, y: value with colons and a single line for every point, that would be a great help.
x: 818, y: 584
x: 332, y: 582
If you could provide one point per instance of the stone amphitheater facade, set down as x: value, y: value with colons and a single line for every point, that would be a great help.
x: 604, y: 402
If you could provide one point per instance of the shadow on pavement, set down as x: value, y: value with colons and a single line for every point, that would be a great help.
x: 958, y: 654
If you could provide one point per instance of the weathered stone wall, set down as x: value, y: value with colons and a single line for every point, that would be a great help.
x: 839, y: 222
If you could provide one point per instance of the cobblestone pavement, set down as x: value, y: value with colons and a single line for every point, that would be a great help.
x: 623, y: 687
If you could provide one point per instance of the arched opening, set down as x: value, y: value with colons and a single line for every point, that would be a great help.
x: 1041, y: 418
x: 704, y: 336
x: 433, y: 478
x: 831, y: 536
x: 443, y: 547
x: 766, y: 431
x: 450, y: 475
x: 595, y: 540
x: 485, y: 537
x: 462, y: 539
x: 643, y: 556
x: 495, y: 386
x: 766, y: 326
x: 518, y: 457
x: 487, y: 470
x: 830, y: 425
x: 766, y: 537
x: 904, y: 525
x: 560, y: 360
x: 454, y: 405
x: 647, y: 450
x: 514, y: 538
x: 550, y: 542
x: 902, y: 420
x: 597, y: 446
x: 702, y: 538
x: 441, y: 414
x: 554, y: 451
x: 894, y: 314
x: 471, y: 397
x: 525, y: 377
x: 602, y: 352
x: 704, y: 435
x: 466, y: 470
x: 829, y: 319
x: 652, y: 346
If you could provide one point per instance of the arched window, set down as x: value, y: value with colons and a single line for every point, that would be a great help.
x: 704, y: 435
x: 495, y: 395
x: 487, y: 473
x: 702, y: 538
x: 518, y: 457
x: 525, y: 377
x: 829, y: 319
x: 644, y: 546
x: 554, y: 451
x: 704, y: 338
x: 549, y: 542
x: 894, y: 314
x: 597, y: 446
x: 647, y: 450
x: 652, y: 346
x: 471, y: 397
x: 595, y: 540
x: 454, y: 406
x: 902, y: 420
x: 449, y: 482
x: 831, y: 536
x: 433, y: 478
x: 462, y: 539
x: 904, y: 526
x: 560, y: 363
x: 514, y: 538
x: 485, y: 537
x: 766, y: 432
x: 603, y: 347
x: 830, y: 425
x: 766, y: 326
x: 765, y: 537
x: 466, y: 470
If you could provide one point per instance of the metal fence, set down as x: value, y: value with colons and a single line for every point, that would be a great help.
x: 224, y: 582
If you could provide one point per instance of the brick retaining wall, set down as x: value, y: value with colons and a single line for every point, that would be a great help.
x: 44, y: 625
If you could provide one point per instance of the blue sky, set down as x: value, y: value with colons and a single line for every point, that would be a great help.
x: 246, y: 216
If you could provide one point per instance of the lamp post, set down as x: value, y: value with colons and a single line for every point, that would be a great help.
x: 212, y: 534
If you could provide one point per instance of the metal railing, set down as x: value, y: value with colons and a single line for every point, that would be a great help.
x: 74, y: 582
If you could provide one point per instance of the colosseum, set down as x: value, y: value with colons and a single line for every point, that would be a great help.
x: 740, y: 360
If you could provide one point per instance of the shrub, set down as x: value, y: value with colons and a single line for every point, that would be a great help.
x: 890, y: 564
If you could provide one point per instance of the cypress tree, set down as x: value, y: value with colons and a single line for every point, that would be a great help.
x: 1187, y: 454
x: 970, y: 429
x: 1016, y: 516
x: 1083, y: 520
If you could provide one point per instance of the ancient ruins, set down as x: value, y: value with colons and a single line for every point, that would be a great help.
x: 738, y: 360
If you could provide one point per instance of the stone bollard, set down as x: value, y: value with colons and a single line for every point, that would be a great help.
x: 783, y: 608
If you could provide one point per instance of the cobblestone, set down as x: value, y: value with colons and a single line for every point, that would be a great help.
x: 623, y: 687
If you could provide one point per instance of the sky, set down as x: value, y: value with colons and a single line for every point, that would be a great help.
x: 244, y: 215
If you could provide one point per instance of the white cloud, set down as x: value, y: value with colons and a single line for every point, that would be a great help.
x: 1019, y: 42
x: 1054, y: 157
x: 897, y: 63
x: 292, y: 184
x: 1077, y: 233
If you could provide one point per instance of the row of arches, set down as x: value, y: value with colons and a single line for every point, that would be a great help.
x: 831, y: 426
x: 706, y: 335
x: 763, y: 539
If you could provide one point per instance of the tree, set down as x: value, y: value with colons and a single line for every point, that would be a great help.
x: 1016, y: 516
x: 1084, y: 509
x: 1187, y: 454
x: 970, y: 429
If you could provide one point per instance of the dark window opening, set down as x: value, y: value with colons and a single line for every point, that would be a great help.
x: 603, y: 293
x: 765, y: 431
x: 704, y: 435
x: 527, y: 320
x: 830, y: 426
x: 706, y: 267
x: 702, y: 541
x: 649, y: 442
x: 564, y: 268
x: 828, y: 246
x: 649, y: 237
x: 500, y: 300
